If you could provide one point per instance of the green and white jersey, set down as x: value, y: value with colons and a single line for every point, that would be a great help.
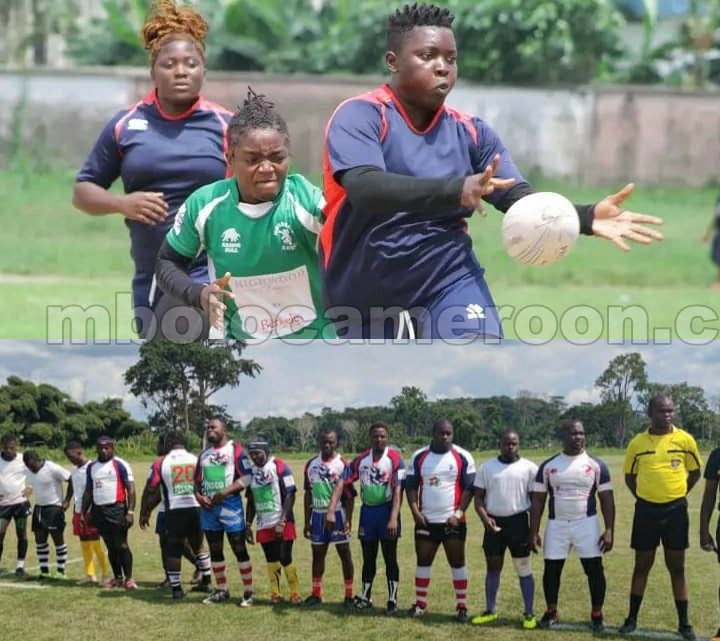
x: 270, y: 484
x: 270, y: 250
x: 321, y: 477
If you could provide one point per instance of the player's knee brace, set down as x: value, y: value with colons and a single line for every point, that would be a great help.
x: 523, y: 566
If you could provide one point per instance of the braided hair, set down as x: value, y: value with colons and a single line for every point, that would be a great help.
x: 166, y: 21
x: 257, y: 112
x: 415, y: 15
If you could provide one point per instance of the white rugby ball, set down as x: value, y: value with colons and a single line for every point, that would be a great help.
x: 541, y: 228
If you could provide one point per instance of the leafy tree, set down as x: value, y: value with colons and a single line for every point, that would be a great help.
x: 692, y: 410
x: 624, y: 377
x: 411, y: 410
x: 179, y: 378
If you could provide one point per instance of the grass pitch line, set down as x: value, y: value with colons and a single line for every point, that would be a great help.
x: 22, y: 586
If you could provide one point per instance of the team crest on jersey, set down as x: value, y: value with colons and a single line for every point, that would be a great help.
x: 137, y: 124
x: 284, y: 233
x: 375, y: 476
x: 230, y: 241
x: 261, y: 477
x: 433, y: 481
x: 326, y: 474
x: 218, y: 458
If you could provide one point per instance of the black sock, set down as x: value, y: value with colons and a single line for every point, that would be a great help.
x: 635, y: 601
x: 682, y: 610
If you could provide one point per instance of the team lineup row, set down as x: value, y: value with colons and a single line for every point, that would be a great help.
x: 203, y: 496
x: 381, y: 251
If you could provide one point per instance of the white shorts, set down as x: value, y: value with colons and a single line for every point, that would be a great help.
x: 582, y: 535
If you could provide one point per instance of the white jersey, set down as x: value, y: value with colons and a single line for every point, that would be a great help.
x: 109, y: 480
x: 174, y: 473
x: 78, y: 478
x: 12, y: 481
x: 507, y: 485
x: 440, y: 479
x: 219, y: 467
x: 320, y: 479
x: 270, y: 484
x: 571, y: 483
x: 47, y: 483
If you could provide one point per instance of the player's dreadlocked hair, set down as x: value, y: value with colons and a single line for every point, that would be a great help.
x: 415, y: 15
x: 257, y: 112
x: 165, y: 20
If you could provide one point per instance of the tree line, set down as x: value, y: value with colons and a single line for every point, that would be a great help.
x: 176, y: 385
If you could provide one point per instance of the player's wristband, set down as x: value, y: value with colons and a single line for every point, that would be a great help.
x: 458, y: 514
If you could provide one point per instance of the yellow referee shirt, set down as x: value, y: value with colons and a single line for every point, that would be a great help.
x: 661, y: 464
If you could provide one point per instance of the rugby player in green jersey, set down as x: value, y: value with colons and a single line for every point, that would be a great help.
x: 259, y: 227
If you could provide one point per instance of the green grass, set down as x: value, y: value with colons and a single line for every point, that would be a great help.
x: 53, y: 255
x: 90, y: 614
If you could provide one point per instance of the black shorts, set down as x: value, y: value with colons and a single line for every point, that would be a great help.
x: 109, y: 516
x: 513, y: 534
x: 18, y: 511
x: 439, y: 532
x: 656, y: 522
x: 182, y: 523
x: 48, y: 518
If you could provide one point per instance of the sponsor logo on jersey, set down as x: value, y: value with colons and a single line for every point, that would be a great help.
x: 137, y: 124
x: 284, y: 233
x: 177, y: 226
x: 475, y: 311
x: 230, y: 241
x: 433, y: 481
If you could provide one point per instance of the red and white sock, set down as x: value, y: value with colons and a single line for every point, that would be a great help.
x: 246, y: 576
x: 460, y: 585
x: 218, y: 570
x: 317, y: 582
x: 422, y: 585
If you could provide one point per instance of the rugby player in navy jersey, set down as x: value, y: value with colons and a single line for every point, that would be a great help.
x: 402, y: 172
x: 163, y: 147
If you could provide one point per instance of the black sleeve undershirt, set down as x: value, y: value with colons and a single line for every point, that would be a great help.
x: 382, y: 192
x: 171, y: 271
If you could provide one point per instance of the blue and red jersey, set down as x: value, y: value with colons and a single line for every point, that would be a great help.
x: 150, y: 150
x: 404, y: 258
x: 109, y: 480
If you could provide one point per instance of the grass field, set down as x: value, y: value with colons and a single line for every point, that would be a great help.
x: 29, y: 610
x: 53, y: 256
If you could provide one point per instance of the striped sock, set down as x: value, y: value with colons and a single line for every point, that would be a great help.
x: 61, y: 554
x: 174, y: 579
x: 218, y: 570
x: 246, y: 576
x: 422, y: 585
x: 460, y: 585
x: 43, y: 556
x: 202, y: 563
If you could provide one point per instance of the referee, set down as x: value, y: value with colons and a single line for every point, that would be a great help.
x: 662, y: 464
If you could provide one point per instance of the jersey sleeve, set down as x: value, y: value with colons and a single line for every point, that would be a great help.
x: 353, y: 136
x: 412, y: 476
x: 103, y: 164
x: 629, y: 464
x: 541, y: 485
x: 399, y: 470
x: 125, y: 473
x: 60, y: 472
x: 243, y: 465
x: 350, y: 474
x: 480, y: 478
x: 712, y: 469
x: 311, y: 203
x: 183, y: 236
x: 155, y: 476
x: 349, y: 490
x: 487, y: 146
x: 532, y: 473
x: 285, y: 476
x: 604, y: 484
x: 467, y: 479
x: 693, y: 460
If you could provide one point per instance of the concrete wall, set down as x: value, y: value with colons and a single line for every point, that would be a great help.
x: 588, y: 135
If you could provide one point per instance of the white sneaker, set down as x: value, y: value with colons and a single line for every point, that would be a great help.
x: 246, y: 601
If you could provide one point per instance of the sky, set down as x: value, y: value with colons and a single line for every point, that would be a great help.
x: 306, y: 378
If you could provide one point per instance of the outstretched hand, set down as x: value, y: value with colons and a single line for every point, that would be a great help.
x: 211, y: 300
x: 477, y: 186
x: 617, y: 225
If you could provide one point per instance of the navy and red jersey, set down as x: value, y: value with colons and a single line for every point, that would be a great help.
x: 109, y: 480
x: 154, y: 151
x: 404, y: 258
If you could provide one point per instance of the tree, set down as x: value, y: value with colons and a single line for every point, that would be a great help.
x: 179, y: 379
x: 411, y: 410
x: 692, y: 410
x: 624, y: 377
